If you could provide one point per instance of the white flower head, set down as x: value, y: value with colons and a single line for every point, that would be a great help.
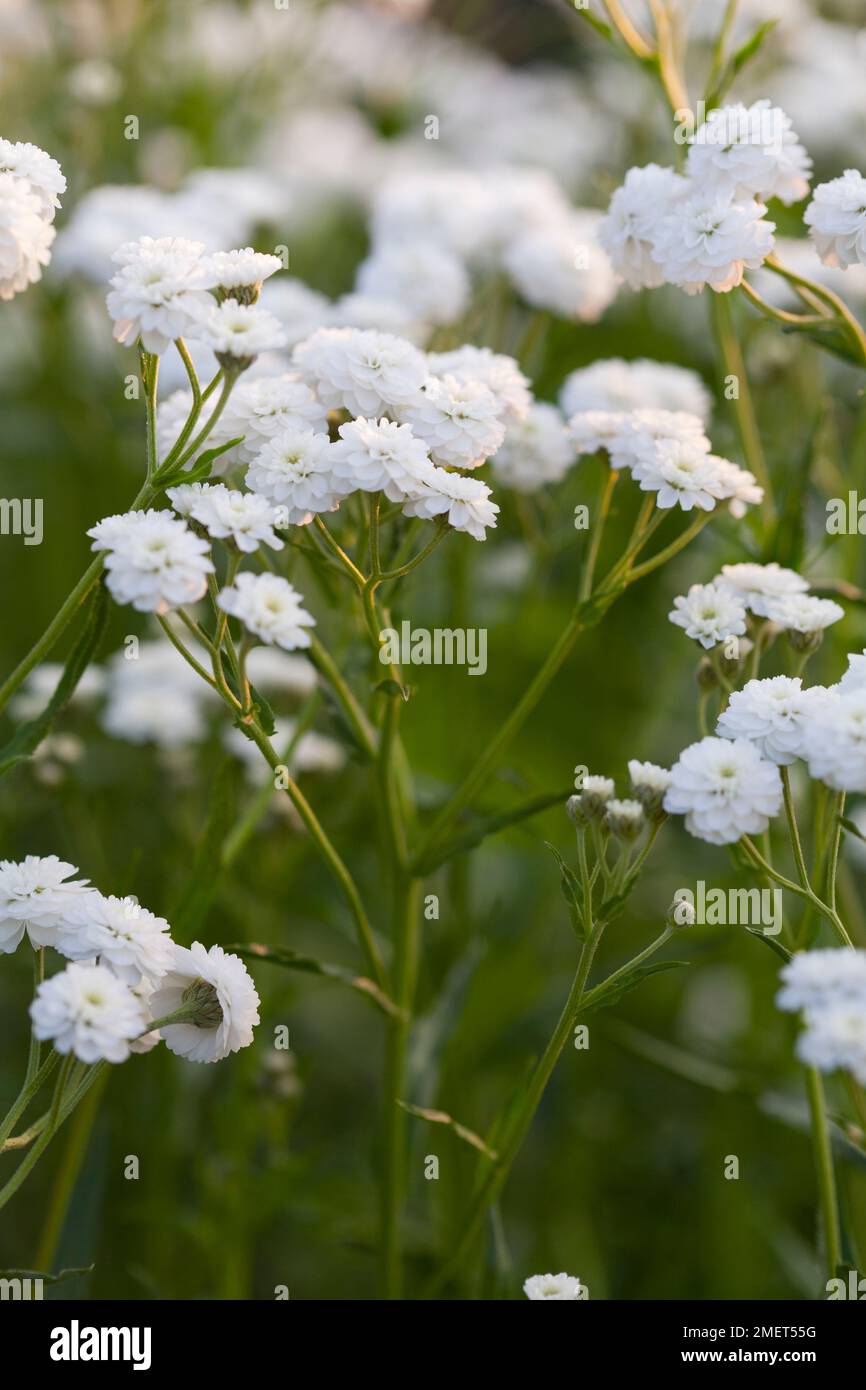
x: 228, y: 1004
x: 649, y: 784
x: 237, y: 333
x: 36, y: 896
x: 835, y: 1037
x: 88, y: 1011
x: 431, y: 281
x: 294, y: 471
x: 464, y: 502
x: 499, y: 373
x: 803, y: 613
x: 834, y: 741
x: 773, y: 714
x: 759, y: 586
x: 159, y: 292
x: 711, y: 239
x: 240, y: 274
x: 537, y: 450
x: 154, y: 561
x: 836, y: 218
x: 725, y: 789
x: 362, y: 371
x: 125, y: 936
x: 626, y: 818
x: 630, y: 228
x: 680, y: 472
x: 595, y: 794
x: 820, y: 979
x: 615, y: 384
x: 459, y: 421
x: 264, y: 407
x: 244, y: 518
x: 173, y: 414
x: 25, y: 236
x: 270, y: 607
x: 36, y: 169
x: 734, y: 485
x: 380, y: 456
x: 749, y: 151
x: 709, y: 614
x: 562, y: 1288
x: 562, y: 267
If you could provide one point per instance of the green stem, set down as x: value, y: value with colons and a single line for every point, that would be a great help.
x: 393, y: 1186
x: 744, y: 410
x: 824, y: 1169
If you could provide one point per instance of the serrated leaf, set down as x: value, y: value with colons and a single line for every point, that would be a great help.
x: 571, y: 891
x: 487, y: 825
x: 774, y: 945
x: 441, y: 1117
x: 28, y: 736
x: 308, y: 965
x: 604, y: 995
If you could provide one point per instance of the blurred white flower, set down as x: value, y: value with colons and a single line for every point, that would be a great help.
x: 41, y: 174
x: 25, y: 236
x: 563, y: 268
x: 615, y: 384
x: 428, y: 279
x: 818, y: 979
x: 537, y: 450
x: 759, y: 586
x: 749, y: 151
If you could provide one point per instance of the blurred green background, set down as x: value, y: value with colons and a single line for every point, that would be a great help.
x: 261, y: 1171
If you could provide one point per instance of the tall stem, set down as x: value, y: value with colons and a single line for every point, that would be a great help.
x: 744, y: 410
x: 824, y: 1169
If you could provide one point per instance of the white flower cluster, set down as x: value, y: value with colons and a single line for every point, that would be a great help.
x: 712, y: 613
x: 625, y: 817
x: 30, y: 184
x: 562, y: 1288
x: 125, y: 971
x: 668, y: 453
x: 161, y: 292
x: 828, y: 988
x: 707, y: 226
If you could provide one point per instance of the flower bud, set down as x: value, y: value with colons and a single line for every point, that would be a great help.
x: 681, y: 913
x: 626, y: 819
x: 595, y: 793
x: 649, y: 784
x: 203, y: 1001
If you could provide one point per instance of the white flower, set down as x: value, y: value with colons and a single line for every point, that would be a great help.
x: 237, y: 333
x: 159, y: 291
x: 773, y: 714
x: 595, y: 794
x: 819, y: 979
x: 592, y: 430
x: 562, y: 267
x: 628, y: 232
x: 803, y: 613
x: 125, y: 936
x: 465, y: 502
x: 709, y: 613
x: 369, y: 311
x: 378, y: 455
x: 154, y: 561
x: 680, y: 471
x: 834, y: 741
x: 749, y: 151
x: 499, y: 373
x: 361, y: 371
x: 227, y: 514
x: 625, y: 818
x: 855, y: 677
x: 836, y: 1037
x: 430, y: 281
x: 537, y: 450
x: 836, y: 218
x: 266, y: 406
x: 631, y: 436
x: 245, y: 269
x: 87, y: 1010
x: 734, y: 485
x: 561, y: 1287
x: 229, y: 1004
x: 36, y: 896
x: 155, y: 697
x: 725, y: 789
x: 458, y: 420
x: 649, y: 783
x: 270, y: 669
x: 40, y: 173
x: 299, y: 309
x: 709, y: 239
x: 270, y: 607
x: 449, y: 207
x: 25, y: 236
x: 614, y: 384
x: 760, y: 585
x: 42, y: 682
x: 294, y: 471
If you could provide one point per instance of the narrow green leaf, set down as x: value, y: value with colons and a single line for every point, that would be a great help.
x: 28, y: 736
x: 851, y: 828
x: 593, y: 21
x: 488, y: 825
x: 59, y: 1278
x: 204, y: 877
x: 604, y: 995
x: 774, y: 945
x: 441, y: 1117
x: 571, y: 891
x: 199, y: 469
x: 738, y: 61
x: 308, y: 965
